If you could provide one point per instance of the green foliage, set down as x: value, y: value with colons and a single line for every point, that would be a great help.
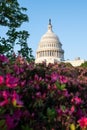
x: 60, y: 86
x: 2, y: 125
x: 84, y: 64
x: 26, y: 128
x: 12, y: 16
x: 51, y: 113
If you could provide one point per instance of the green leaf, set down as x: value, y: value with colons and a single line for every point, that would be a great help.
x: 12, y: 16
x: 2, y: 122
x: 63, y: 86
x: 63, y: 107
x: 2, y: 111
x: 51, y: 113
x: 60, y: 86
x: 3, y: 125
x: 57, y: 84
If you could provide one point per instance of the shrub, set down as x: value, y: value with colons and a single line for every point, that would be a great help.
x: 35, y: 97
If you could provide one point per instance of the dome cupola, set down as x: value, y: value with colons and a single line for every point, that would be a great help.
x: 49, y: 47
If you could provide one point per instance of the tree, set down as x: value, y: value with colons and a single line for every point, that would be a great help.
x: 12, y: 16
x: 84, y: 64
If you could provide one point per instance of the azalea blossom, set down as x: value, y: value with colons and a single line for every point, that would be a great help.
x: 83, y: 122
x: 11, y: 81
x: 3, y: 58
x: 5, y: 100
x: 23, y: 83
x: 20, y: 60
x: 40, y: 97
x: 38, y: 94
x: 16, y: 100
x: 5, y: 94
x: 1, y: 80
x: 13, y: 120
x: 54, y: 76
x: 63, y: 79
x: 72, y: 109
x: 76, y: 100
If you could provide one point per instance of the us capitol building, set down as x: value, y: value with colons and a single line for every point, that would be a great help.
x: 50, y: 49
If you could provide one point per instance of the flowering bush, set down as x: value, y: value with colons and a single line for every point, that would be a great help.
x: 35, y: 97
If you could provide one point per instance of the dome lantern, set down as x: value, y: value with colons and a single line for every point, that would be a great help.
x: 49, y: 25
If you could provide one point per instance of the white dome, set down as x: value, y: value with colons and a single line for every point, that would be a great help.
x: 49, y: 46
x: 49, y: 36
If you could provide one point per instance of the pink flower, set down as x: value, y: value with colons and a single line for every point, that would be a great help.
x: 23, y: 83
x: 20, y: 60
x: 10, y: 122
x: 16, y: 100
x: 5, y: 94
x: 49, y: 87
x: 83, y: 122
x: 54, y: 76
x: 59, y: 112
x: 11, y: 81
x: 38, y: 94
x: 3, y: 103
x: 13, y: 120
x: 63, y: 79
x: 76, y: 100
x: 54, y: 87
x: 1, y: 80
x: 3, y: 58
x: 65, y: 93
x: 5, y: 100
x: 72, y: 109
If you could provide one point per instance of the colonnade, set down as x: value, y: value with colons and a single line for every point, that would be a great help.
x: 48, y: 53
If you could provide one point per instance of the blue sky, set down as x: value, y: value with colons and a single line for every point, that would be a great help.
x: 69, y: 20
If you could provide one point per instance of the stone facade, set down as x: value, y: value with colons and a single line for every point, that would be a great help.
x: 76, y: 62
